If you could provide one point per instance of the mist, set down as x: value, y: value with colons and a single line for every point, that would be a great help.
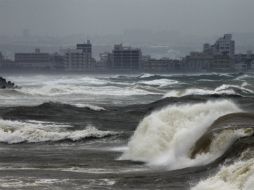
x: 104, y: 17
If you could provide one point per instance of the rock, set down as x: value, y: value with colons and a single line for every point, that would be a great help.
x: 4, y: 84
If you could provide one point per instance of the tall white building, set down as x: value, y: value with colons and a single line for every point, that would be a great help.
x: 224, y: 46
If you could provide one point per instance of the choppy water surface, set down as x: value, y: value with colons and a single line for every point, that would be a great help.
x: 128, y: 132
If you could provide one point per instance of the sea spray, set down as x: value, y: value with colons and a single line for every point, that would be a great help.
x: 166, y: 137
x: 226, y: 89
x: 238, y: 176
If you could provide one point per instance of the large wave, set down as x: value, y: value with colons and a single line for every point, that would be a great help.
x: 226, y: 89
x: 167, y: 137
x: 238, y: 176
x: 13, y: 132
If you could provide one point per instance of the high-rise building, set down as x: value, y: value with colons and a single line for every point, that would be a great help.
x: 85, y: 47
x: 126, y: 58
x: 79, y: 59
x: 224, y: 46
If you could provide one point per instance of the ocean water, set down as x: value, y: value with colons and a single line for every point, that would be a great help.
x: 79, y: 131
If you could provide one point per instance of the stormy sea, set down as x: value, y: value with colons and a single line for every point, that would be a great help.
x: 79, y: 131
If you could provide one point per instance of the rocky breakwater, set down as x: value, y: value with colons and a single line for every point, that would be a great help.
x: 6, y: 84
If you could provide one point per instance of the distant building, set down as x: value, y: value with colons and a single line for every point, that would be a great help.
x: 35, y: 60
x: 86, y: 48
x: 218, y: 57
x: 244, y: 62
x: 222, y: 63
x: 126, y: 58
x: 79, y: 59
x: 197, y: 62
x: 74, y: 60
x: 57, y: 62
x: 160, y: 65
x: 1, y: 59
x: 251, y: 66
x: 104, y: 62
x: 224, y: 46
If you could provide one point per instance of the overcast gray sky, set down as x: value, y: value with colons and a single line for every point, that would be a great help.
x: 66, y: 17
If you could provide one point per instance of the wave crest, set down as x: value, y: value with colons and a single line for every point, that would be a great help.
x: 166, y: 137
x: 13, y: 132
x: 238, y: 176
x: 224, y: 89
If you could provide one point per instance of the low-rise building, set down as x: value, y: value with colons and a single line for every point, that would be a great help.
x: 244, y: 62
x: 74, y: 60
x: 197, y: 62
x: 35, y: 60
x: 222, y: 63
x: 57, y: 62
x: 160, y: 65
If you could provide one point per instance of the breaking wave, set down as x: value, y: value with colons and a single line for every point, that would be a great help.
x: 244, y: 76
x: 52, y: 90
x: 166, y: 137
x: 89, y: 106
x: 238, y: 176
x: 13, y: 132
x: 226, y: 89
x: 159, y: 82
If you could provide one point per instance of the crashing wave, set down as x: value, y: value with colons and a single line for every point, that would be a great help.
x: 166, y: 137
x: 13, y: 132
x: 224, y: 89
x: 159, y: 82
x: 238, y: 176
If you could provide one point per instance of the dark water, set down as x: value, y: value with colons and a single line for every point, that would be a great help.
x: 127, y: 132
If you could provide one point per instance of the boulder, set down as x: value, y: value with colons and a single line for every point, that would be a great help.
x: 4, y: 84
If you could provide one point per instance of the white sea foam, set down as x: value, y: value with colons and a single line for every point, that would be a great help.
x: 67, y: 89
x: 223, y: 89
x: 166, y: 137
x: 92, y: 107
x: 244, y: 76
x: 159, y: 82
x: 146, y: 75
x: 238, y: 176
x: 33, y: 131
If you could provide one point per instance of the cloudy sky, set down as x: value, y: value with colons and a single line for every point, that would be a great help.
x: 67, y: 17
